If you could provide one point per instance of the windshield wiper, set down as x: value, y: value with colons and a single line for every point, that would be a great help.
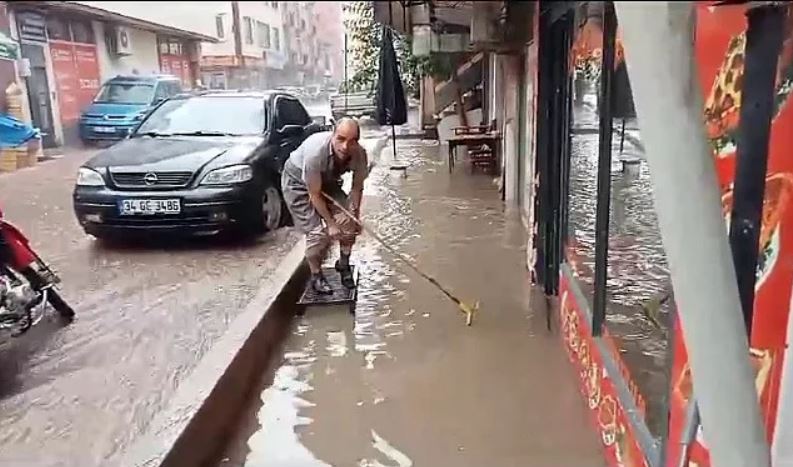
x: 153, y: 134
x: 204, y: 133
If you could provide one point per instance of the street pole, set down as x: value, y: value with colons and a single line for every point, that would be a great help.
x: 659, y: 50
x: 346, y: 83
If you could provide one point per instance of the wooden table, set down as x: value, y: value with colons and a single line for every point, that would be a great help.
x: 490, y: 139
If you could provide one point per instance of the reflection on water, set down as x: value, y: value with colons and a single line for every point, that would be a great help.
x: 637, y: 269
x: 328, y: 348
x: 406, y: 382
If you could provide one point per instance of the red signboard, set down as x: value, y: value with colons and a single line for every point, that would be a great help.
x: 76, y: 70
x: 177, y: 65
x: 597, y: 385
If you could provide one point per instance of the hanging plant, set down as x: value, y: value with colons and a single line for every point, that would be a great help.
x: 363, y: 50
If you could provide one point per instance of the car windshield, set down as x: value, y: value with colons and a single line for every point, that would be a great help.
x: 126, y: 93
x: 206, y: 116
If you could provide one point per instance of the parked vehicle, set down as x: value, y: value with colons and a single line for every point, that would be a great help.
x: 27, y: 285
x: 354, y: 104
x: 121, y: 104
x: 196, y: 164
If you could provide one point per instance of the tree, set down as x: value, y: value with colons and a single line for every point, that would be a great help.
x: 363, y: 44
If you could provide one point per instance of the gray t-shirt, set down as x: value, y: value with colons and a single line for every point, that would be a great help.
x: 316, y: 155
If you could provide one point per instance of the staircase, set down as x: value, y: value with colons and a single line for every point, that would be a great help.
x: 467, y: 77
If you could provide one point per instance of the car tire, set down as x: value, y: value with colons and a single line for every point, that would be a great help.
x: 270, y: 211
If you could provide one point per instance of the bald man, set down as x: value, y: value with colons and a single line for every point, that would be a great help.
x: 316, y: 167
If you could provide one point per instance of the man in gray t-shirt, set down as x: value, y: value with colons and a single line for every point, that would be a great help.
x: 315, y: 168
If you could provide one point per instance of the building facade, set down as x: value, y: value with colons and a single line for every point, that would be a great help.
x: 69, y: 49
x: 250, y: 49
x: 330, y: 37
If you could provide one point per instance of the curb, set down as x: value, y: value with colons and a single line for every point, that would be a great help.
x: 206, y: 408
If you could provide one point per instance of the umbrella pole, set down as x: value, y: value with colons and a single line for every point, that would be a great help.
x: 393, y: 140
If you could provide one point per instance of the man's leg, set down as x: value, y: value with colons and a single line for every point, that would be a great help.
x: 346, y: 242
x: 307, y: 220
x: 317, y: 242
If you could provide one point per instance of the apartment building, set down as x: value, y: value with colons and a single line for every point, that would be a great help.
x: 250, y: 52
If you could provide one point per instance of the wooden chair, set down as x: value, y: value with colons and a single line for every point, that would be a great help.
x: 481, y: 142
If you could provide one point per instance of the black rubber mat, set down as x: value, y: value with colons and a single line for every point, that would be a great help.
x: 341, y: 294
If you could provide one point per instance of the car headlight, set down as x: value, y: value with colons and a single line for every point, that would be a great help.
x: 229, y: 175
x: 89, y: 177
x: 139, y: 116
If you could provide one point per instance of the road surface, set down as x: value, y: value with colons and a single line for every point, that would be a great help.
x: 146, y: 314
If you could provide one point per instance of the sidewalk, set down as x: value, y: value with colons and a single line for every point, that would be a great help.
x: 406, y: 382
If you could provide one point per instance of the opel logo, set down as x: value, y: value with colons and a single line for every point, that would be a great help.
x: 150, y: 178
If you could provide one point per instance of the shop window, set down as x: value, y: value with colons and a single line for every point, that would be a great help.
x: 82, y: 32
x: 58, y: 30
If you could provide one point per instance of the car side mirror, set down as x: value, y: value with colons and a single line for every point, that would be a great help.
x: 289, y: 131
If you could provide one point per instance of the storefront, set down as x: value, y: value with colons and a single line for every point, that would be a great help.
x: 75, y: 65
x: 175, y: 60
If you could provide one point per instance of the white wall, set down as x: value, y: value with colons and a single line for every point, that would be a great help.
x: 143, y: 61
x: 190, y: 16
x: 200, y: 17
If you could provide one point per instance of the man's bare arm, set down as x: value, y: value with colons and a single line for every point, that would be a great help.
x: 356, y: 193
x: 314, y: 182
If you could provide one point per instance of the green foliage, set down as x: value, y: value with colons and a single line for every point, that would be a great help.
x: 363, y: 44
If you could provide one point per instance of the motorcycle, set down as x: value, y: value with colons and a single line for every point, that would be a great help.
x: 27, y: 284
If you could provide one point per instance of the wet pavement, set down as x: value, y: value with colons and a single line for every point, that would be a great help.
x: 145, y: 315
x: 637, y: 268
x: 405, y: 382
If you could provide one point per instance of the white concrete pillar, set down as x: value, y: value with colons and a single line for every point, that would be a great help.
x: 659, y: 47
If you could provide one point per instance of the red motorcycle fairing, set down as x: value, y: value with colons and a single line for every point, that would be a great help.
x: 21, y: 255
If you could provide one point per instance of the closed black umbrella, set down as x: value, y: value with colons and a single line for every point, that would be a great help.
x: 390, y: 98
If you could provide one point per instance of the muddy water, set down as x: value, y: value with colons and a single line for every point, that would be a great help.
x: 637, y: 269
x: 77, y: 396
x: 404, y: 382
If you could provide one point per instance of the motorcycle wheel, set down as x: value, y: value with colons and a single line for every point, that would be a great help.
x: 53, y: 297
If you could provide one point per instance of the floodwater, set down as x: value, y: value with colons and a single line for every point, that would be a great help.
x: 78, y: 395
x: 637, y: 268
x: 404, y: 382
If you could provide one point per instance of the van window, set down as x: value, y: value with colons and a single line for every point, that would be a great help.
x: 162, y: 92
x: 125, y: 93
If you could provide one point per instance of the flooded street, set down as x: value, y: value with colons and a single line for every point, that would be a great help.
x: 637, y: 269
x: 404, y: 382
x: 145, y: 315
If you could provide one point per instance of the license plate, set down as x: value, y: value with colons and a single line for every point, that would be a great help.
x: 149, y: 206
x: 104, y: 129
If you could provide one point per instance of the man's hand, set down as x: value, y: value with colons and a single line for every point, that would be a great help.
x: 334, y: 231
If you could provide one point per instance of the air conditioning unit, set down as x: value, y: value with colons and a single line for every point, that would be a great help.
x: 123, y: 41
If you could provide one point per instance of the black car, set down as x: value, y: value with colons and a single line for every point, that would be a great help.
x: 195, y: 164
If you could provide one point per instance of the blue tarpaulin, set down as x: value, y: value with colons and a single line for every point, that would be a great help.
x: 14, y: 132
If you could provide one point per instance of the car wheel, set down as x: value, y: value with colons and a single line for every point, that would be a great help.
x: 271, y: 209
